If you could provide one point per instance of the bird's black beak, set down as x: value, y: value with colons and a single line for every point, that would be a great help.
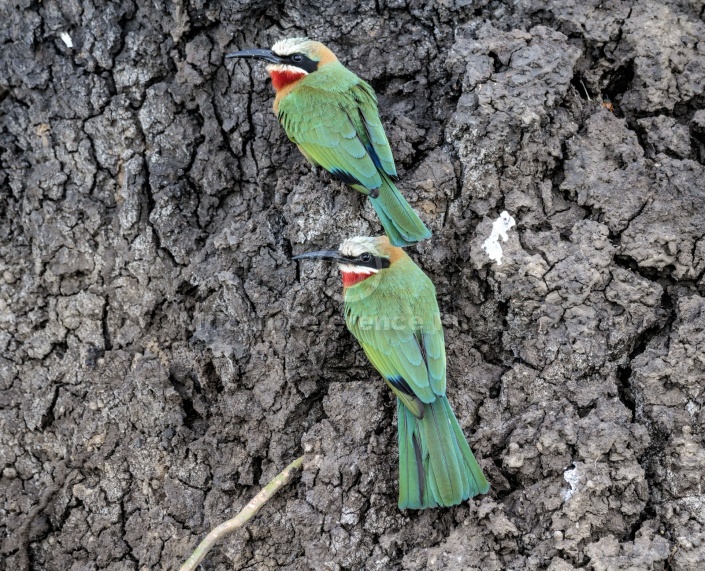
x: 264, y: 55
x: 323, y: 254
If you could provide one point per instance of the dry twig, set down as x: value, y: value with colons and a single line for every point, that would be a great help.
x: 243, y: 517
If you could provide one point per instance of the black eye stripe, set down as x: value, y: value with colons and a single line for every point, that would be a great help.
x: 306, y: 63
x: 375, y: 262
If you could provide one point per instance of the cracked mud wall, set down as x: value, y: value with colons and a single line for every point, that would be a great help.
x: 161, y: 357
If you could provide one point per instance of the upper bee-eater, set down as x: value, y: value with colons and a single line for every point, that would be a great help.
x: 391, y: 309
x: 331, y: 114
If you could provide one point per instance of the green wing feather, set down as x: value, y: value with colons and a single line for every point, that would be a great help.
x: 367, y: 104
x: 334, y: 135
x: 434, y: 347
x: 396, y: 354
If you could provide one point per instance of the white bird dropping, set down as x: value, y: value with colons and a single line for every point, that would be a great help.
x: 499, y: 230
x: 67, y: 39
x: 573, y: 478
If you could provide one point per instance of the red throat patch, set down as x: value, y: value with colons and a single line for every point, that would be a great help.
x: 352, y: 278
x: 283, y: 78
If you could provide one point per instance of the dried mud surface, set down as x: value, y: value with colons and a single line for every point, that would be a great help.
x: 161, y: 357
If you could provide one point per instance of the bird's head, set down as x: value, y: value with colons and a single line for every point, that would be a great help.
x: 360, y: 258
x: 290, y: 59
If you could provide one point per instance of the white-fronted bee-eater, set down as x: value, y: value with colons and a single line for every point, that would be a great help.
x: 391, y: 309
x: 331, y: 114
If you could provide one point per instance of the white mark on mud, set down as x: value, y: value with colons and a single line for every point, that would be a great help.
x: 499, y: 230
x: 573, y: 478
x: 67, y: 39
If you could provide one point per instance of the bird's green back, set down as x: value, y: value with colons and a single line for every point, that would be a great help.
x: 332, y: 116
x: 394, y: 316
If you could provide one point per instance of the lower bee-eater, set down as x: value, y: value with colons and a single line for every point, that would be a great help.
x: 331, y: 114
x: 391, y: 309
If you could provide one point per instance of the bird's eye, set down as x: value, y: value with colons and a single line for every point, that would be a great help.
x: 366, y: 257
x: 297, y: 57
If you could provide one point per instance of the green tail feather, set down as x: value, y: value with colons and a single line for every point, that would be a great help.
x: 402, y: 225
x: 436, y: 465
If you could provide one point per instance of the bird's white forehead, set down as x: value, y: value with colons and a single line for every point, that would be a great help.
x: 289, y: 46
x: 358, y: 245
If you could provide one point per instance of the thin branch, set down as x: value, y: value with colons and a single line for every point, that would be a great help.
x: 243, y: 517
x: 585, y: 88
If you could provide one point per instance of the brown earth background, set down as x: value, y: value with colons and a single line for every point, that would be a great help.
x: 162, y: 357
